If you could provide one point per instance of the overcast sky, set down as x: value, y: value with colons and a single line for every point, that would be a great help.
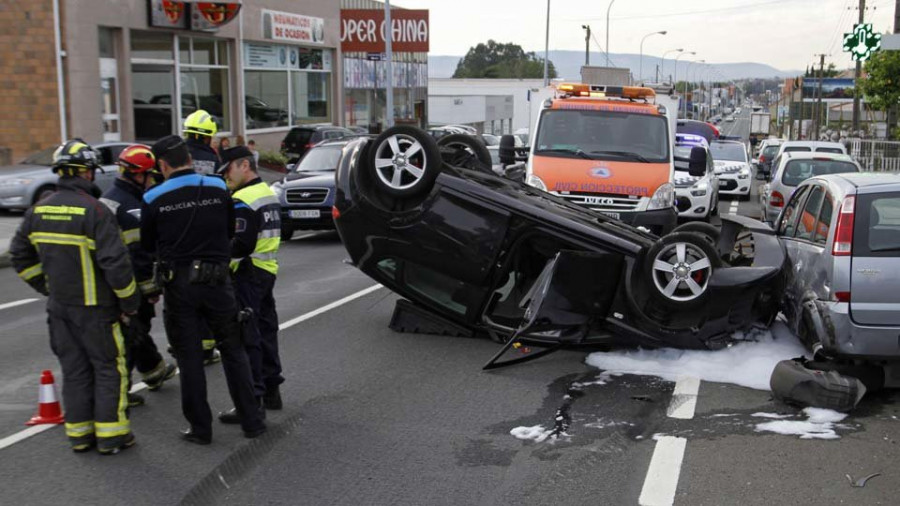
x: 782, y: 33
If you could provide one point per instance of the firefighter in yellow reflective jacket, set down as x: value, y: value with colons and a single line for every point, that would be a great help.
x: 254, y: 252
x: 70, y: 248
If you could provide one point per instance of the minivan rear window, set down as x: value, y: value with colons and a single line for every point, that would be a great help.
x: 877, y: 229
x: 797, y: 171
x: 796, y: 148
x: 830, y: 150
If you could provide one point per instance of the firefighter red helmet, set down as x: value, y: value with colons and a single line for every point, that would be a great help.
x: 137, y: 159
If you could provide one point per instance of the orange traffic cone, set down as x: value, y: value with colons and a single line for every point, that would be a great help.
x: 49, y: 410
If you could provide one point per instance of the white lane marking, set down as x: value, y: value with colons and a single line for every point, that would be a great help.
x: 684, y: 398
x: 661, y: 481
x: 137, y: 387
x: 662, y: 477
x: 16, y: 303
x: 302, y: 318
x: 24, y: 434
x: 733, y: 209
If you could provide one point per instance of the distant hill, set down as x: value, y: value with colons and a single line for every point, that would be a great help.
x: 568, y: 66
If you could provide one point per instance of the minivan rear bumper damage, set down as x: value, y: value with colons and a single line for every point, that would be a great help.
x: 832, y: 326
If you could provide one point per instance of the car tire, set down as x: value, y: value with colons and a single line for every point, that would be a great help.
x: 43, y: 192
x: 679, y: 267
x: 709, y: 232
x: 466, y: 151
x: 404, y: 161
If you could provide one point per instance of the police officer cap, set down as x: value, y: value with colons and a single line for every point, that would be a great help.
x: 232, y: 154
x: 166, y: 144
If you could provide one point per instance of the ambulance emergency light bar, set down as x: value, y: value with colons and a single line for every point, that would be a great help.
x: 602, y: 91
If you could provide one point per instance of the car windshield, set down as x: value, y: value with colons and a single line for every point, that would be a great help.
x: 770, y: 151
x: 323, y: 159
x: 797, y: 171
x: 43, y: 157
x: 730, y: 152
x: 603, y: 135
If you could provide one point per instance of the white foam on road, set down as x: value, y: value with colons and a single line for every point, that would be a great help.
x: 748, y: 364
x: 818, y: 425
x: 535, y: 433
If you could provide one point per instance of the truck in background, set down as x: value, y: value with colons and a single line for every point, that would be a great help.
x: 759, y: 128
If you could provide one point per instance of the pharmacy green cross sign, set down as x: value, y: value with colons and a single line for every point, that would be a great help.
x: 862, y: 42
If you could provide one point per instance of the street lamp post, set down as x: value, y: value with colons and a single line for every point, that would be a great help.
x: 687, y: 74
x: 641, y: 65
x: 675, y: 76
x: 607, y: 30
x: 662, y: 62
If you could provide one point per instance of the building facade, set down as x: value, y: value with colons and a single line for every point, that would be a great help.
x: 132, y: 70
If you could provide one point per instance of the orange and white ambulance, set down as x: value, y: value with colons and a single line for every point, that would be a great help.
x: 608, y: 148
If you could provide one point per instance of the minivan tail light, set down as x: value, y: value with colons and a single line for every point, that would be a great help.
x: 762, y: 159
x: 777, y: 199
x: 843, y: 235
x: 842, y: 296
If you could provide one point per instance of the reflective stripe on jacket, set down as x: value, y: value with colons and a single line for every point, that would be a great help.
x: 70, y: 244
x: 258, y: 226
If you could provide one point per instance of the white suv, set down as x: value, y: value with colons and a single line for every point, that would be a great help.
x: 696, y: 196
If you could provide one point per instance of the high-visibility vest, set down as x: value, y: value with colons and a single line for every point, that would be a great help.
x: 264, y: 204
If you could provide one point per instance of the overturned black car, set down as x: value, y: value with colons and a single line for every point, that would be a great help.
x: 474, y: 252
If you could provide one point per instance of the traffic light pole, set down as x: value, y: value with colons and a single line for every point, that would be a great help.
x: 862, y: 12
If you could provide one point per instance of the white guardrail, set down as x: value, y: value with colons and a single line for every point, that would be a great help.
x: 879, y: 156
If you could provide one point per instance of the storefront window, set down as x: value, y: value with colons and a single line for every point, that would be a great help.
x: 286, y: 79
x: 310, y: 97
x: 151, y: 46
x: 266, y: 100
x: 202, y: 79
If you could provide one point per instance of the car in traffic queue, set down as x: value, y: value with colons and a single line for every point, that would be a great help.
x: 31, y: 180
x: 793, y: 168
x: 694, y: 127
x: 810, y: 146
x: 732, y: 167
x: 301, y: 138
x: 842, y: 236
x: 475, y: 253
x: 306, y: 193
x: 609, y: 149
x: 768, y: 149
x: 696, y: 191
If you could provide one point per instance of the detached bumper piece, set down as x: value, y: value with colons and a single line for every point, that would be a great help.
x: 793, y: 382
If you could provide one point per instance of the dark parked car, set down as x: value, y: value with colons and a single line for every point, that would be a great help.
x: 299, y: 139
x: 307, y: 192
x: 477, y: 253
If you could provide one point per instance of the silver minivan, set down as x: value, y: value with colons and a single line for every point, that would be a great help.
x: 842, y: 237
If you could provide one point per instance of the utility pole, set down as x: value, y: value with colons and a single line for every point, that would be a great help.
x: 547, y: 49
x: 862, y: 13
x: 587, y: 45
x: 389, y: 54
x: 818, y: 116
x: 791, y: 112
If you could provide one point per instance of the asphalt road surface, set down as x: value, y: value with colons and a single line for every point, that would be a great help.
x: 377, y: 417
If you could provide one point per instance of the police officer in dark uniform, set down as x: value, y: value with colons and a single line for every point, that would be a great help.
x: 136, y: 164
x: 254, y: 252
x: 199, y: 130
x: 70, y: 248
x: 188, y: 220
